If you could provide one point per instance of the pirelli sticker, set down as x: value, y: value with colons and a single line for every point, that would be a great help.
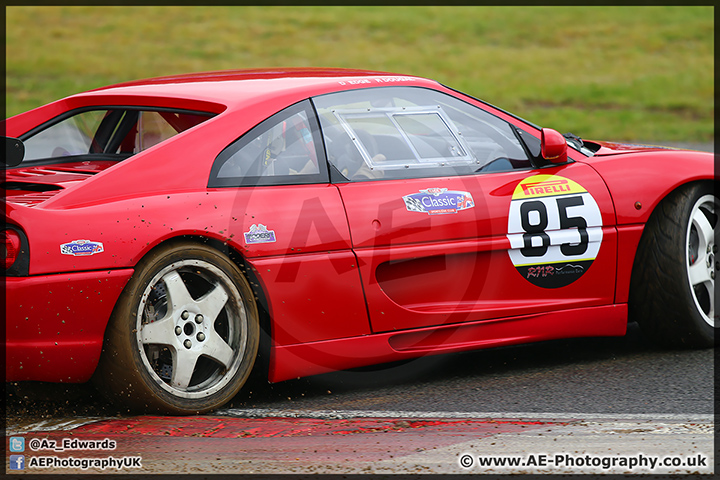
x: 555, y: 230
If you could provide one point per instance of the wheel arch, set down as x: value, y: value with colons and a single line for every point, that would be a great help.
x: 710, y: 182
x: 649, y: 240
x: 632, y: 240
x: 657, y: 205
x: 261, y: 299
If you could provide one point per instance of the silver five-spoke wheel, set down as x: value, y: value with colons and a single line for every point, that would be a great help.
x: 702, y: 257
x: 191, y: 328
x: 184, y: 334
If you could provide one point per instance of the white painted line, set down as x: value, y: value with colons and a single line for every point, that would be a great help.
x: 53, y: 425
x: 346, y: 414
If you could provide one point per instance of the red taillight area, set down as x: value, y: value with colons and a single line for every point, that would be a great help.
x: 11, y: 242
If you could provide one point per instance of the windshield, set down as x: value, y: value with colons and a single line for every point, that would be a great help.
x: 578, y: 144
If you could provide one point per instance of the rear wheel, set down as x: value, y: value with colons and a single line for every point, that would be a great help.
x: 672, y: 292
x: 184, y: 334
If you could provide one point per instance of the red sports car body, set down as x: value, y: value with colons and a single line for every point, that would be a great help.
x: 159, y: 231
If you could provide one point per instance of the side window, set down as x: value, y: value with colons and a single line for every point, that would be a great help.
x: 114, y: 132
x: 410, y: 132
x: 155, y: 127
x: 282, y: 150
x: 72, y: 136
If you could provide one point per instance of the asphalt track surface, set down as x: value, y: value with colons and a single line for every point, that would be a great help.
x: 571, y: 402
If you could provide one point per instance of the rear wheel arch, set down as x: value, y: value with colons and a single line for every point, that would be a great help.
x: 262, y: 363
x: 216, y: 262
x: 238, y: 258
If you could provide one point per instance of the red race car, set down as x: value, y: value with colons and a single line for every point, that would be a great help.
x: 162, y: 234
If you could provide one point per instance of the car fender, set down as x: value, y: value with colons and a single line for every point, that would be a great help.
x: 638, y: 182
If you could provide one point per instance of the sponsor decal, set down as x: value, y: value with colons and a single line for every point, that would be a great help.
x: 366, y: 81
x: 81, y: 248
x: 438, y: 201
x: 555, y: 230
x: 548, y: 187
x: 259, y: 234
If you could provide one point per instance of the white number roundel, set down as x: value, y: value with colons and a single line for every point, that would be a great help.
x: 555, y: 230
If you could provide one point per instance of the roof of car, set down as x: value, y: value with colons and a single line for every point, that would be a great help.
x: 237, y: 86
x: 251, y: 74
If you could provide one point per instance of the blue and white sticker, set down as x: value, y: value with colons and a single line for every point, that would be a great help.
x: 438, y: 201
x: 259, y: 234
x: 81, y: 248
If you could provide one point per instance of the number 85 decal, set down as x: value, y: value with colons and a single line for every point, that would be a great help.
x: 555, y: 230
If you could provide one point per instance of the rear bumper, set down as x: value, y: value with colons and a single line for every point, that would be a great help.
x: 55, y: 324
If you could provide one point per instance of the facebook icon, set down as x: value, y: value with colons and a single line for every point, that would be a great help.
x: 17, y: 462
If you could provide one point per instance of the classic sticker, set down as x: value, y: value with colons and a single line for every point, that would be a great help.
x: 259, y: 234
x: 438, y: 201
x: 555, y: 230
x: 81, y: 248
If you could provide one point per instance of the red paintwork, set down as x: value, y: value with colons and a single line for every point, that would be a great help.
x: 553, y: 146
x: 59, y: 175
x: 412, y: 264
x: 251, y: 445
x: 648, y: 177
x: 612, y: 148
x: 56, y: 323
x: 628, y: 241
x: 312, y: 358
x: 246, y: 428
x: 313, y: 297
x: 353, y: 278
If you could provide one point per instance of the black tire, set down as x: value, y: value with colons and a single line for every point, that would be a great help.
x: 672, y: 290
x: 187, y: 305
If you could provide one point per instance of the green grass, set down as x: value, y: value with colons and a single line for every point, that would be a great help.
x: 621, y: 73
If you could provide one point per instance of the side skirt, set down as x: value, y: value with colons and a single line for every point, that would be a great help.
x: 300, y: 360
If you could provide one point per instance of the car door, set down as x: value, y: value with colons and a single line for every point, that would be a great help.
x: 450, y: 221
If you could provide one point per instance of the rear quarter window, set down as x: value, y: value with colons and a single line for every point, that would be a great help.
x: 117, y: 132
x: 284, y: 149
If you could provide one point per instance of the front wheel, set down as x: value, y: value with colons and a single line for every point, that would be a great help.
x: 184, y: 335
x: 672, y: 292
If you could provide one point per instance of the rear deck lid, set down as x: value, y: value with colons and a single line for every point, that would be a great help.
x: 33, y: 185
